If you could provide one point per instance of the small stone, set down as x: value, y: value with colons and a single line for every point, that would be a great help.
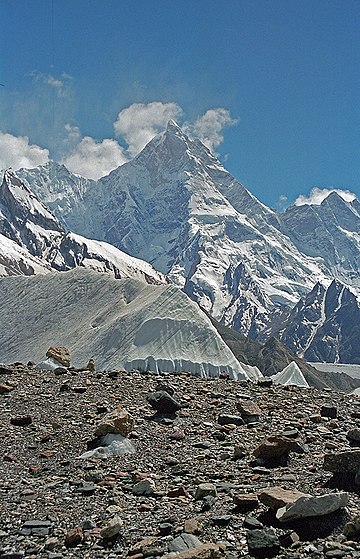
x: 342, y: 462
x: 9, y: 458
x: 178, y: 492
x: 112, y: 529
x: 21, y: 421
x: 91, y: 365
x: 184, y: 542
x: 192, y: 526
x: 353, y: 435
x: 265, y: 382
x: 79, y: 389
x: 144, y: 487
x: 328, y: 411
x: 352, y: 528
x: 207, y: 503
x: 51, y: 543
x: 288, y: 539
x: 252, y: 523
x: 165, y: 529
x: 249, y: 410
x: 239, y: 452
x: 221, y: 520
x: 74, y: 537
x: 228, y: 419
x: 177, y: 434
x: 277, y: 497
x: 60, y: 354
x: 205, y: 489
x: 273, y: 447
x: 263, y: 543
x: 88, y: 488
x: 5, y: 388
x: 246, y: 501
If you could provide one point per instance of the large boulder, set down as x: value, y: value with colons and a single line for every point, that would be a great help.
x: 59, y: 354
x: 162, y: 402
x: 347, y: 462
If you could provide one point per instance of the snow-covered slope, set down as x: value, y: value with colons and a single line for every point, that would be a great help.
x: 16, y: 260
x: 330, y: 230
x: 177, y: 207
x: 324, y: 325
x: 120, y: 323
x: 60, y: 190
x: 33, y: 240
x: 291, y: 375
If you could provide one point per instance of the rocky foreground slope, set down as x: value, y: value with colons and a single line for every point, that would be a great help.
x: 200, y: 481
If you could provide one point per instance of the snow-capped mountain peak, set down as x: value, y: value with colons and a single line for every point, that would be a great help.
x: 176, y: 206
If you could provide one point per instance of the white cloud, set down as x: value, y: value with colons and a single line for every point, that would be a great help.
x: 93, y: 159
x: 317, y: 195
x: 139, y: 123
x: 208, y: 127
x: 61, y: 85
x: 282, y: 202
x: 17, y: 152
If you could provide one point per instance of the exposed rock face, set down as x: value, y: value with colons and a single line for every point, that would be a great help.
x: 327, y: 230
x: 33, y: 240
x: 324, y: 325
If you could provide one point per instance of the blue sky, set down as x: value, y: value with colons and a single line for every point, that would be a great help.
x: 94, y: 79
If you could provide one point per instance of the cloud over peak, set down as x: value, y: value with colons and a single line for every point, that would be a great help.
x: 318, y: 195
x: 140, y: 122
x: 93, y: 159
x: 17, y: 152
x: 208, y: 127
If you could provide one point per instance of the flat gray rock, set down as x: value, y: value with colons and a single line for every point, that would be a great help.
x: 312, y: 506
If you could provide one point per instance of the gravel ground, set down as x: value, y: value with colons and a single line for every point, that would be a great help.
x: 43, y: 478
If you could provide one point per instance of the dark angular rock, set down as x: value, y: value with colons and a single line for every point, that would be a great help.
x: 328, y: 410
x: 21, y: 421
x: 263, y: 543
x: 226, y: 419
x: 342, y: 462
x: 162, y: 402
x: 165, y: 528
x: 252, y: 523
x: 74, y: 537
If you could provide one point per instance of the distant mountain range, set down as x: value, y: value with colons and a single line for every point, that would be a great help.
x: 176, y: 207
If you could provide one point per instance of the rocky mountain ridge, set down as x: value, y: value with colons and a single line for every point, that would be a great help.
x: 324, y: 325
